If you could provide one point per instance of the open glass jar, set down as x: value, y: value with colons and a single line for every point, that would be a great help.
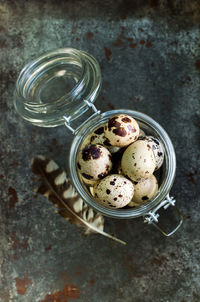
x: 60, y: 87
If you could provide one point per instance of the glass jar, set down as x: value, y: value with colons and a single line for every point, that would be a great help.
x: 60, y: 87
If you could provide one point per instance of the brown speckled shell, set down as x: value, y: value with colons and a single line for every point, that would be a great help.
x: 114, y: 191
x: 94, y: 162
x: 138, y: 160
x: 145, y: 190
x: 158, y: 150
x: 121, y: 130
x: 89, y: 182
x: 98, y: 137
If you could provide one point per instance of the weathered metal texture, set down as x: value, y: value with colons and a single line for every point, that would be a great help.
x: 150, y: 61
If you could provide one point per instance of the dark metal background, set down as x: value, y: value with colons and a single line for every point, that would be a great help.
x: 150, y: 61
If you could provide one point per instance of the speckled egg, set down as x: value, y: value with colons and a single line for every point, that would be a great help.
x: 145, y: 190
x: 158, y: 149
x: 121, y: 130
x: 94, y: 162
x: 89, y: 182
x: 98, y: 137
x: 138, y: 160
x: 114, y: 191
x: 133, y: 204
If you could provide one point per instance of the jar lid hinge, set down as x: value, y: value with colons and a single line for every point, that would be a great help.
x: 90, y: 105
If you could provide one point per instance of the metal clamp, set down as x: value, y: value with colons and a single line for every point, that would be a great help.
x: 95, y: 113
x: 152, y: 217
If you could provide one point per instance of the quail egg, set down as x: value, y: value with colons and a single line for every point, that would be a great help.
x: 121, y: 130
x: 114, y: 191
x: 145, y: 190
x: 133, y: 204
x: 94, y: 162
x: 98, y: 137
x: 138, y: 160
x: 158, y: 149
x: 89, y: 182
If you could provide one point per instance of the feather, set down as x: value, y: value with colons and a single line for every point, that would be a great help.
x: 57, y: 188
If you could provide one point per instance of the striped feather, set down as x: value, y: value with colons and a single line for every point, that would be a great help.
x: 57, y: 188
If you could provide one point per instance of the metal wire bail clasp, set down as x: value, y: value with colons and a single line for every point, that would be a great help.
x: 152, y: 216
x: 89, y: 105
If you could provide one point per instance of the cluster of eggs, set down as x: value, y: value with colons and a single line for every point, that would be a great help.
x: 117, y: 162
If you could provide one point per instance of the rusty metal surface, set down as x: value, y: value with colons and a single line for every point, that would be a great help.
x: 150, y: 61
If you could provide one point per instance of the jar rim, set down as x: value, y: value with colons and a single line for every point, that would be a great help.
x: 42, y: 62
x: 170, y: 159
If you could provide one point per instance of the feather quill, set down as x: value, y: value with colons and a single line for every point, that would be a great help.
x: 56, y: 187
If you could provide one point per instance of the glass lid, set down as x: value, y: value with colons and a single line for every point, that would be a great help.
x: 57, y: 86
